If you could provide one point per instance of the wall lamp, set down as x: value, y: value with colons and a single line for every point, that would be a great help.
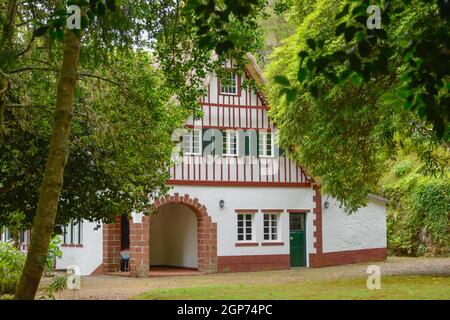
x: 221, y: 203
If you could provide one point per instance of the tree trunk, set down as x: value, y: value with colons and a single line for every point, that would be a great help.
x: 52, y: 183
x: 6, y: 49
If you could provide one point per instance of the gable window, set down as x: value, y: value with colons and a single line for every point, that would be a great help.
x: 271, y: 223
x: 191, y: 142
x: 73, y: 233
x: 244, y: 227
x: 230, y: 143
x: 266, y: 144
x: 230, y: 85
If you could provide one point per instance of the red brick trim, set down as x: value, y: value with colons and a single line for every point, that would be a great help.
x: 353, y: 256
x: 111, y: 246
x: 272, y: 244
x: 238, y: 183
x: 206, y: 230
x: 71, y: 245
x: 272, y: 210
x: 99, y: 270
x: 253, y: 263
x: 298, y: 210
x: 246, y: 210
x: 246, y: 244
x: 316, y: 259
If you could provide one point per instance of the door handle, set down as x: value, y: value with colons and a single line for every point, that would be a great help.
x: 291, y: 238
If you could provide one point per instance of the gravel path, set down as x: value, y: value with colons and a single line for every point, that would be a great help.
x: 114, y: 287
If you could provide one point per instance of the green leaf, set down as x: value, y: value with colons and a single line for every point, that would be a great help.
x: 364, y: 48
x: 282, y: 80
x: 311, y: 43
x: 349, y: 33
x: 290, y: 93
x: 301, y: 76
x: 310, y: 64
x: 303, y: 54
x: 344, y: 75
x: 343, y: 13
x: 357, y: 79
x: 340, y: 29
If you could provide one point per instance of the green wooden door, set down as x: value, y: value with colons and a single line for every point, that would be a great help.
x: 297, y: 238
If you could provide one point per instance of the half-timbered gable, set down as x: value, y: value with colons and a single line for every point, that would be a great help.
x: 234, y: 142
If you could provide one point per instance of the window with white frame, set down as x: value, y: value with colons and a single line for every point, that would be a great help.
x: 229, y: 85
x: 266, y: 144
x: 230, y: 143
x: 192, y: 142
x: 244, y: 227
x: 271, y: 226
x: 73, y: 233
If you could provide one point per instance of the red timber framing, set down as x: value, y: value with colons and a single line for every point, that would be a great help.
x: 245, y: 111
x: 140, y: 235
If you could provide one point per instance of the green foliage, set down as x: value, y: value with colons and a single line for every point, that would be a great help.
x: 419, y: 215
x: 57, y: 285
x: 366, y: 54
x: 118, y: 155
x: 402, y: 168
x: 54, y: 252
x: 11, y: 264
x: 336, y: 93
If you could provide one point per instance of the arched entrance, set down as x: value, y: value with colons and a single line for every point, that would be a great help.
x: 173, y: 237
x: 206, y: 231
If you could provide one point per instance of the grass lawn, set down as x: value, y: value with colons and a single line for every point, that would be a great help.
x: 392, y: 287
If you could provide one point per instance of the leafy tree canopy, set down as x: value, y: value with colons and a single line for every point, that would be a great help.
x: 339, y: 92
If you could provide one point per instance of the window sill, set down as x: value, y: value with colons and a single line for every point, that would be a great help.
x: 71, y: 245
x: 272, y: 244
x: 246, y: 244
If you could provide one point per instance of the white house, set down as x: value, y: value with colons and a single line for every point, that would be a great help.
x: 236, y: 203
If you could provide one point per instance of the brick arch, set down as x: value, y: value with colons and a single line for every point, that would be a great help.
x: 206, y: 230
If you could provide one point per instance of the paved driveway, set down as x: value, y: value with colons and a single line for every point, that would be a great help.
x: 114, y: 287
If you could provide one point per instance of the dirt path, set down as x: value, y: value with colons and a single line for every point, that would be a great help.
x: 112, y: 287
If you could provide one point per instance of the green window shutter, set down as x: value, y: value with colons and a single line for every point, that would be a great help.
x: 71, y: 233
x: 204, y: 143
x: 257, y: 144
x: 224, y: 141
x: 247, y: 145
x: 80, y: 225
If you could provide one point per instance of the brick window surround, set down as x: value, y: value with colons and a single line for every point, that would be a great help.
x: 140, y: 235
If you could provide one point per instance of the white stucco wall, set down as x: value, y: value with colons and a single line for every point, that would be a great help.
x: 173, y: 237
x: 88, y: 257
x: 252, y: 198
x: 365, y: 229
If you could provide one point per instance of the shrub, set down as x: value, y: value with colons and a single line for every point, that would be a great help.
x: 418, y: 217
x: 54, y: 252
x: 402, y: 168
x: 12, y: 262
